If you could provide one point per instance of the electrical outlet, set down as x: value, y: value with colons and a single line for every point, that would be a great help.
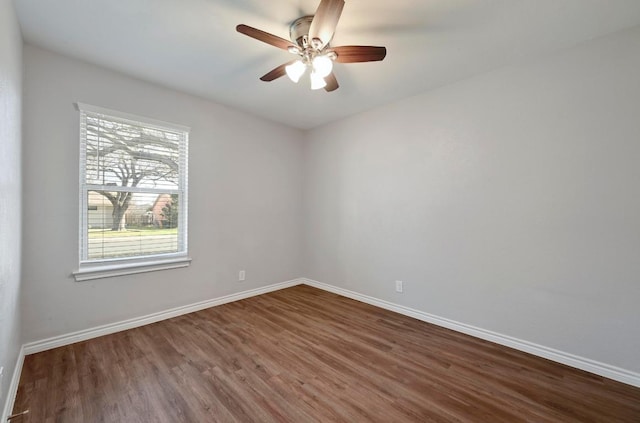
x: 241, y: 275
x: 399, y: 286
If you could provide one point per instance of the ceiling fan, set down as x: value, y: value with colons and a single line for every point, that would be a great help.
x: 310, y: 38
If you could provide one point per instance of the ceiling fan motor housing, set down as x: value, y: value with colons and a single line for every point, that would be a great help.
x: 299, y: 29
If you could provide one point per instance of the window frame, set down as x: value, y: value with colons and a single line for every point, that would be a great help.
x: 89, y: 269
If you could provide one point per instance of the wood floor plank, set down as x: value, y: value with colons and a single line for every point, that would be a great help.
x: 305, y: 355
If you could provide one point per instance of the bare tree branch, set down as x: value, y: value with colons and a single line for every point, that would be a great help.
x: 126, y: 156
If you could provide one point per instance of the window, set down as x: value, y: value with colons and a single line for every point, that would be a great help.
x: 133, y: 194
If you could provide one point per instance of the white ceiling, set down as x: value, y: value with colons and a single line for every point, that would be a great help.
x: 192, y: 45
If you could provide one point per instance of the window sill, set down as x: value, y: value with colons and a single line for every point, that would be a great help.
x: 99, y: 271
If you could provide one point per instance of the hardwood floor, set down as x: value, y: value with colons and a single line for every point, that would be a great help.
x: 305, y: 355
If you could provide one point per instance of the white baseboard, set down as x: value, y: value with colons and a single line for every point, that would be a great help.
x: 592, y: 366
x: 83, y: 335
x: 13, y: 386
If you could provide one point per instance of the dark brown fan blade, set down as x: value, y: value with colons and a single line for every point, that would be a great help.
x: 265, y: 37
x: 353, y: 54
x: 332, y: 83
x: 325, y: 20
x: 276, y: 73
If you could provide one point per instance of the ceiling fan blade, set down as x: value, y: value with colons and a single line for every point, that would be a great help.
x: 353, y: 54
x: 325, y: 20
x: 265, y: 37
x: 332, y: 83
x: 276, y: 73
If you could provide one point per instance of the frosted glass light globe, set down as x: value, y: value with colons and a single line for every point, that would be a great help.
x: 295, y: 70
x: 322, y: 65
x: 317, y: 81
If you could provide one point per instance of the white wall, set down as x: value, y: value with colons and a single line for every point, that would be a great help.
x: 510, y: 201
x: 244, y: 199
x: 10, y: 192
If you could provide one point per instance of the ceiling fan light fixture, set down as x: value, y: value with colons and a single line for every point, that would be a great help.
x: 310, y: 37
x: 322, y: 65
x: 317, y: 81
x: 295, y: 70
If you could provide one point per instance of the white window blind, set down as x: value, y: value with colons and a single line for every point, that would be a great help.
x: 133, y: 183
